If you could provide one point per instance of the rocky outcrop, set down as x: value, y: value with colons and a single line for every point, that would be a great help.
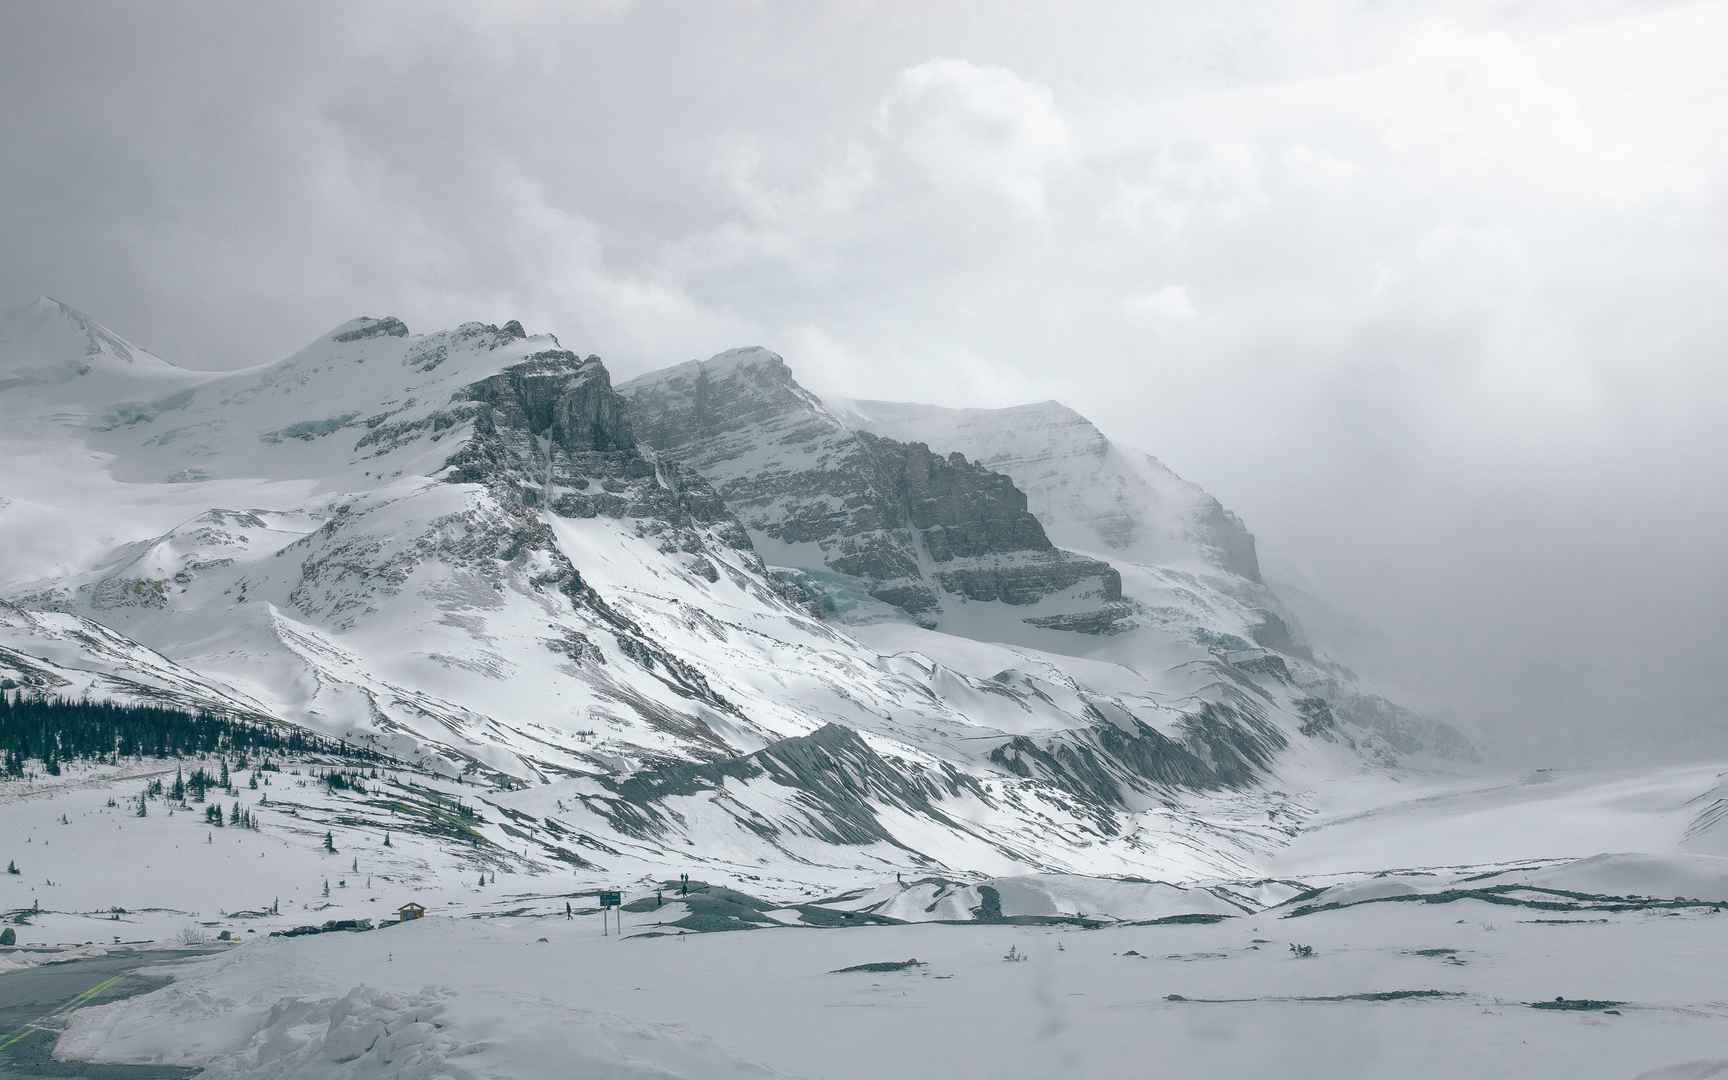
x: 1090, y: 493
x: 553, y: 433
x: 905, y: 524
x: 840, y: 780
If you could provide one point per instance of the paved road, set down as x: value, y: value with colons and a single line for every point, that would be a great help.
x: 36, y: 1003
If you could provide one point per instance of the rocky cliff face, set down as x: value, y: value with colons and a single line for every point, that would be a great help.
x: 906, y: 525
x: 553, y: 433
x: 1091, y: 494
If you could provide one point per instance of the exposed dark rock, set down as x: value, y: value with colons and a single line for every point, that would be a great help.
x: 1109, y: 619
x: 1220, y: 746
x: 838, y: 777
x: 1317, y: 718
x: 363, y: 328
x: 908, y: 524
x: 1274, y: 633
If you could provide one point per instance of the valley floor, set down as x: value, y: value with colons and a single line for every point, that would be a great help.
x: 1455, y: 929
x: 1407, y: 990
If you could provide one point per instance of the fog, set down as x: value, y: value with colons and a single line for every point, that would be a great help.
x: 1434, y: 300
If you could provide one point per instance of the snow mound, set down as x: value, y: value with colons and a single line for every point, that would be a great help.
x: 1691, y: 1070
x: 1662, y: 877
x: 1372, y: 889
x: 1037, y: 896
x: 430, y: 1034
x: 1603, y: 882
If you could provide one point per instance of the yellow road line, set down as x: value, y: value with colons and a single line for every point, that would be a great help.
x: 73, y: 1004
x: 90, y: 993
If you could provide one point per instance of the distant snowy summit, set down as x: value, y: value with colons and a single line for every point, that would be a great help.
x: 46, y: 343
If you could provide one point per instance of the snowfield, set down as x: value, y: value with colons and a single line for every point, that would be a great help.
x: 1408, y: 990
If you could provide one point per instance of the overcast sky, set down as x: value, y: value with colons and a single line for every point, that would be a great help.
x: 1435, y: 297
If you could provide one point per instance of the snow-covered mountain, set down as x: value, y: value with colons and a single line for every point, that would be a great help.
x: 704, y: 612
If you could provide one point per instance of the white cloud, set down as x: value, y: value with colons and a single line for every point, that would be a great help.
x: 1187, y: 182
x: 977, y: 127
x: 1167, y: 304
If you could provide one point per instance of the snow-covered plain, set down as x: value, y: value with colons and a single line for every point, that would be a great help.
x: 1408, y: 990
x: 1426, y: 965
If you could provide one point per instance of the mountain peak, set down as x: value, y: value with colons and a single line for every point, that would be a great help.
x: 746, y: 358
x: 753, y: 361
x: 48, y: 341
x: 367, y: 326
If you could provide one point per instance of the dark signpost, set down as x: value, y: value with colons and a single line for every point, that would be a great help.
x: 614, y: 900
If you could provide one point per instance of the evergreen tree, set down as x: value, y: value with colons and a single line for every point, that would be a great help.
x: 178, y: 794
x: 58, y: 729
x: 326, y: 887
x: 224, y: 783
x: 234, y: 815
x: 11, y: 867
x: 386, y: 839
x: 329, y: 843
x: 143, y: 807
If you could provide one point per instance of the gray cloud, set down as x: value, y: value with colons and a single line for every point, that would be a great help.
x: 1434, y: 302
